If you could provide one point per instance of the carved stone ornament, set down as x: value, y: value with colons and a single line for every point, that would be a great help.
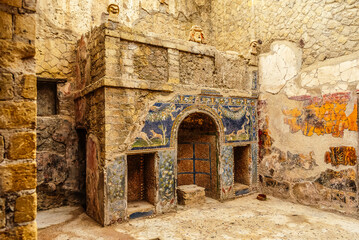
x: 196, y: 34
x: 113, y: 9
x: 252, y: 56
x: 254, y: 47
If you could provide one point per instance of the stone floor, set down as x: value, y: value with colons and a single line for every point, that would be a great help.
x: 243, y: 218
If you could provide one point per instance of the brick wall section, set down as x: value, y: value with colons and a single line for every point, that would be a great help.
x: 17, y: 120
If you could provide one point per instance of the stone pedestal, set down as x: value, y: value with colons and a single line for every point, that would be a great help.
x: 190, y: 195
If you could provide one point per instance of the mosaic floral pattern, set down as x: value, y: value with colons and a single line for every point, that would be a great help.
x: 227, y: 165
x: 116, y: 177
x: 238, y: 116
x: 167, y: 175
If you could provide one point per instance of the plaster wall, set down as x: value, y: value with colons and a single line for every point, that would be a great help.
x: 309, y: 143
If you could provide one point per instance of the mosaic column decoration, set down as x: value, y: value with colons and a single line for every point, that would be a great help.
x: 167, y: 177
x: 226, y: 172
x: 116, y: 189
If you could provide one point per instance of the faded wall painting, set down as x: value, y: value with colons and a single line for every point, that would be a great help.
x: 322, y: 115
x: 341, y: 156
x: 93, y: 179
x: 238, y: 116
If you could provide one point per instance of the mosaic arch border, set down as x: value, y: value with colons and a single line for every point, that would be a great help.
x: 196, y: 109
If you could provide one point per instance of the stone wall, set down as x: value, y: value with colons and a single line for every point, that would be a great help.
x: 309, y: 143
x: 17, y: 120
x: 325, y: 29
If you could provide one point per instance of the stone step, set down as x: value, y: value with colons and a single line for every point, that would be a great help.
x: 191, y: 195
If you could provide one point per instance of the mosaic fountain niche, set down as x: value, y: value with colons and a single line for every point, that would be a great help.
x: 206, y: 141
x: 137, y: 159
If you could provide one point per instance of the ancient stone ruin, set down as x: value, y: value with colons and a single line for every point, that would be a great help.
x: 132, y: 107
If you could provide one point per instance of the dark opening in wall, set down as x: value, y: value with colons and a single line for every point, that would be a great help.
x: 241, y: 168
x: 81, y: 154
x: 46, y: 98
x: 141, y: 178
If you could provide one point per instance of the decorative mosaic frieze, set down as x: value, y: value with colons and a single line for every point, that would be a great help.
x: 237, y: 115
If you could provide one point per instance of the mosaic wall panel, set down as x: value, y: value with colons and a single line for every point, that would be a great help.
x: 254, y: 80
x: 341, y: 156
x: 227, y: 165
x: 167, y: 176
x: 238, y: 116
x: 226, y: 171
x: 322, y: 115
x: 116, y: 177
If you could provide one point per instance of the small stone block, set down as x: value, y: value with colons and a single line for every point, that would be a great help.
x: 2, y: 213
x: 17, y: 177
x: 191, y: 195
x: 25, y: 26
x: 22, y: 146
x: 14, y: 3
x: 17, y: 115
x: 29, y: 87
x: 5, y: 25
x: 25, y: 208
x: 6, y: 85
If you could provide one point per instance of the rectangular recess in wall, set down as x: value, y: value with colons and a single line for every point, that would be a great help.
x: 241, y: 169
x: 141, y: 178
x: 47, y: 101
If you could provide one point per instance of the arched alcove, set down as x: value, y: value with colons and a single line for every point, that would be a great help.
x: 197, y: 153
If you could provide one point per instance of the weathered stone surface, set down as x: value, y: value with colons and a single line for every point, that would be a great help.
x: 30, y: 4
x: 196, y: 69
x: 2, y: 150
x: 5, y: 25
x: 26, y: 232
x: 15, y: 3
x: 306, y: 193
x: 22, y: 146
x: 274, y: 187
x: 190, y: 195
x: 17, y: 115
x: 150, y: 63
x: 340, y: 180
x: 17, y: 177
x: 29, y: 87
x: 25, y: 208
x: 24, y: 26
x: 6, y: 86
x: 13, y: 52
x: 2, y: 213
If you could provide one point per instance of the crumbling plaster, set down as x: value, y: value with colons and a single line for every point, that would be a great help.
x: 291, y: 92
